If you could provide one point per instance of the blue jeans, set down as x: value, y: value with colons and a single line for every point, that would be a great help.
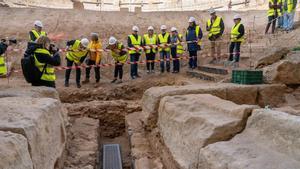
x: 134, y: 67
x: 288, y: 20
x: 280, y: 22
x: 164, y: 55
x: 193, y: 59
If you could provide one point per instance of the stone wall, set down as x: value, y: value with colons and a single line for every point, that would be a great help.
x: 32, y: 122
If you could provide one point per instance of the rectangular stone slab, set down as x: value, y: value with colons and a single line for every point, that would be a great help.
x: 189, y: 122
x: 14, y: 153
x: 270, y: 141
x: 41, y: 122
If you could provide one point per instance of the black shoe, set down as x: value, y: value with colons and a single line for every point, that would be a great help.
x: 113, y: 81
x: 66, y: 84
x: 78, y: 86
x: 133, y: 77
x: 98, y: 80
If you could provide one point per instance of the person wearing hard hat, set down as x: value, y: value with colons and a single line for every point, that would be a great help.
x: 164, y: 41
x: 150, y: 39
x: 77, y: 50
x: 3, y: 47
x: 37, y: 31
x: 134, y: 41
x: 176, y: 47
x: 119, y: 55
x: 236, y: 38
x: 193, y: 37
x: 215, y: 28
x: 274, y: 7
x: 94, y: 58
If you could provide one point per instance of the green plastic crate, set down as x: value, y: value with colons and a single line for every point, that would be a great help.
x: 247, y: 76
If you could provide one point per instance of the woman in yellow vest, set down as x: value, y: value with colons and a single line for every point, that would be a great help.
x: 35, y: 33
x: 3, y: 47
x: 164, y: 39
x: 46, y: 56
x: 237, y: 37
x: 175, y: 48
x: 215, y: 28
x: 150, y: 39
x: 120, y: 56
x: 274, y: 7
x: 77, y: 52
x: 134, y: 40
x: 94, y: 58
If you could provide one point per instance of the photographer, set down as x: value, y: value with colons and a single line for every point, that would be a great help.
x: 46, y: 56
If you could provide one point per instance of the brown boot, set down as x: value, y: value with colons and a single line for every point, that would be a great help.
x: 86, y: 81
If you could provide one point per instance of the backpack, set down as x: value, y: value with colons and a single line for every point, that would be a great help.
x: 31, y: 73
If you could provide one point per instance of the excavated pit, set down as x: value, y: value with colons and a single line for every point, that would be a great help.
x: 97, y: 117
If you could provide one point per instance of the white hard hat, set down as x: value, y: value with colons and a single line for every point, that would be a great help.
x: 237, y: 16
x: 112, y: 40
x: 85, y: 42
x: 38, y: 23
x: 150, y: 28
x: 163, y: 27
x: 192, y: 19
x: 173, y: 29
x: 211, y: 11
x: 135, y: 28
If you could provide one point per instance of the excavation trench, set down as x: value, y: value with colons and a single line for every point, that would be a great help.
x: 97, y: 117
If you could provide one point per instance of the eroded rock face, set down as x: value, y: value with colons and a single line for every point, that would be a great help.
x: 271, y: 56
x: 270, y: 141
x: 14, y: 151
x: 41, y: 122
x: 189, y: 122
x: 284, y: 72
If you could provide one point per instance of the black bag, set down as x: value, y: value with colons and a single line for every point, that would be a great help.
x: 31, y: 73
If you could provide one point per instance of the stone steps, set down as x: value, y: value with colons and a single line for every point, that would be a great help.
x: 206, y: 76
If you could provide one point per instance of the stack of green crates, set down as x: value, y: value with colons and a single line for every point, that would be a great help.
x: 247, y: 76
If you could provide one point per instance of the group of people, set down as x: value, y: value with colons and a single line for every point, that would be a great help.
x: 165, y: 44
x: 281, y: 12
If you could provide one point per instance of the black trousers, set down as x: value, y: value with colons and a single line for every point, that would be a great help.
x: 234, y: 50
x: 193, y: 59
x: 176, y: 62
x: 150, y: 60
x: 44, y: 83
x: 96, y: 69
x: 68, y: 72
x: 118, y: 71
x: 271, y: 21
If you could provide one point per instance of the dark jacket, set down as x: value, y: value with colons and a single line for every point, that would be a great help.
x: 191, y: 36
x: 3, y: 48
x: 48, y: 59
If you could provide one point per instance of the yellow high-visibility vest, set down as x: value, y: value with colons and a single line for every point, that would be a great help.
x: 179, y: 48
x: 164, y: 40
x: 136, y: 43
x: 117, y: 57
x: 150, y: 41
x: 37, y: 34
x: 235, y: 33
x: 3, y: 68
x: 75, y: 54
x: 49, y: 72
x: 215, y: 27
